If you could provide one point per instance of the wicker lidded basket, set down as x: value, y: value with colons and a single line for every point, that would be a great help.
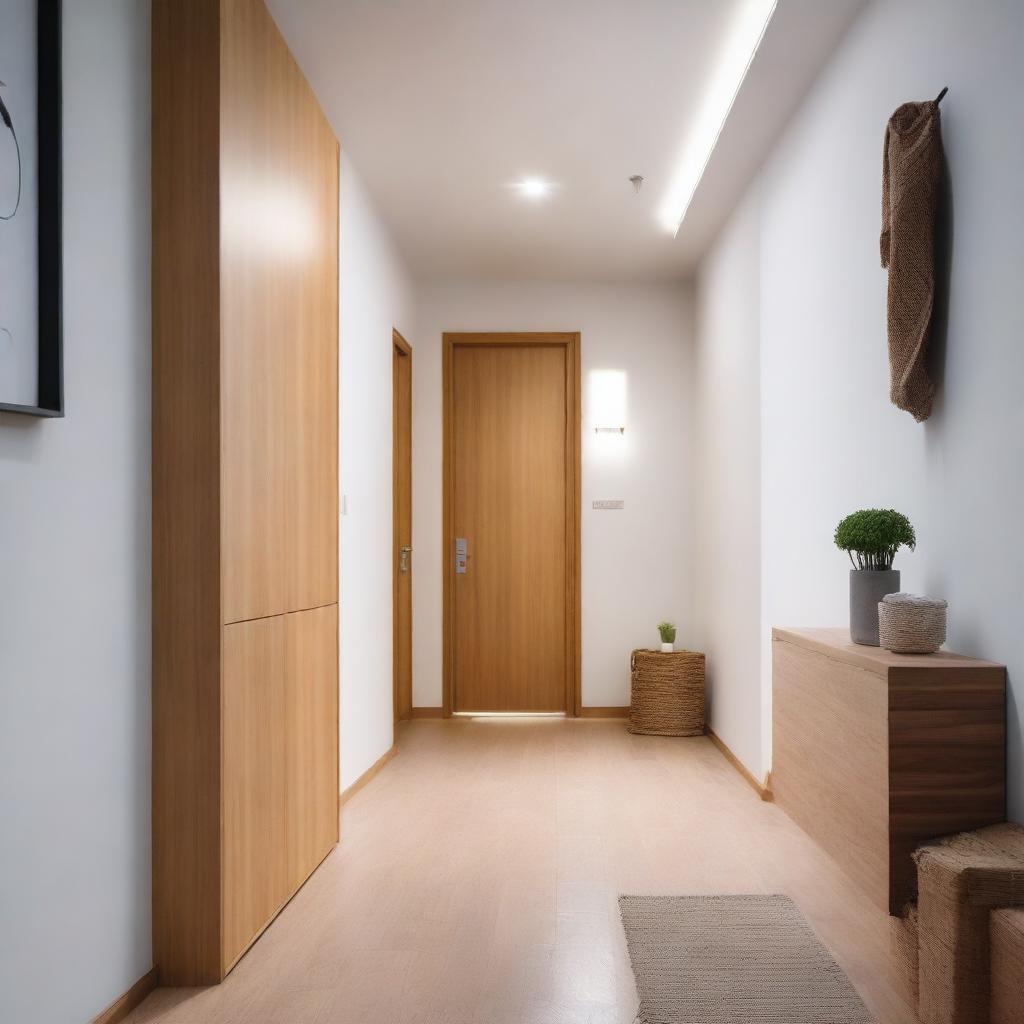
x: 667, y: 697
x: 908, y: 624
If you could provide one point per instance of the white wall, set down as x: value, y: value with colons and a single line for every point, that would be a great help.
x: 727, y: 502
x: 830, y: 440
x: 635, y: 562
x: 75, y: 571
x: 375, y: 295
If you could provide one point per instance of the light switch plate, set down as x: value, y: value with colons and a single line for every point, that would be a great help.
x: 608, y: 503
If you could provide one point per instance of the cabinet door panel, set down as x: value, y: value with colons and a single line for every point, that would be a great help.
x: 256, y: 312
x: 255, y: 768
x: 279, y: 325
x: 311, y: 652
x: 311, y: 366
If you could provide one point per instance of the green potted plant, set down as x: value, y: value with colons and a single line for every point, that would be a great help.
x: 668, y: 635
x: 871, y: 538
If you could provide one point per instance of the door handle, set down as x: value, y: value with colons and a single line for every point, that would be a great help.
x: 461, y: 555
x: 403, y: 558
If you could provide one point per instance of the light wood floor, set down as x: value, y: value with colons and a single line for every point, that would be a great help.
x: 477, y: 876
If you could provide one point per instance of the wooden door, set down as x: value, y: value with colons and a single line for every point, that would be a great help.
x: 512, y: 500
x: 254, y: 779
x: 402, y: 554
x: 311, y: 738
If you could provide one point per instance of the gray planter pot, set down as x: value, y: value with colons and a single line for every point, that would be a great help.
x: 867, y: 588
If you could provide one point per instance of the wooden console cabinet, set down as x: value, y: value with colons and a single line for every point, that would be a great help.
x: 874, y: 752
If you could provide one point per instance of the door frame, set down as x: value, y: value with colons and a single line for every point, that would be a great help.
x: 399, y: 343
x: 571, y: 343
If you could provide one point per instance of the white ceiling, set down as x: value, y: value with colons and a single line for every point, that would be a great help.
x: 442, y: 104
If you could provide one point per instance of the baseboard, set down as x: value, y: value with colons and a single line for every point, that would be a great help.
x: 346, y: 794
x: 123, y: 1005
x: 762, y: 789
x: 604, y: 712
x: 428, y: 712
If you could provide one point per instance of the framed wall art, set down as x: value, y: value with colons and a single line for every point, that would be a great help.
x: 31, y: 334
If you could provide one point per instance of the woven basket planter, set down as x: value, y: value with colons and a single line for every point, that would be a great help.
x: 667, y: 696
x: 908, y: 624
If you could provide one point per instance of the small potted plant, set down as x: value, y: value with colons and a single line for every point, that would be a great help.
x: 871, y: 538
x: 668, y: 636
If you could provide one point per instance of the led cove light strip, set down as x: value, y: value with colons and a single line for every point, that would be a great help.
x: 749, y: 24
x: 508, y: 714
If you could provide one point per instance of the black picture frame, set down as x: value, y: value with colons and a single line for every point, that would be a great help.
x: 50, y: 384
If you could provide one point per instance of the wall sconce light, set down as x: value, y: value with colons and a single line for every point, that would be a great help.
x: 608, y: 401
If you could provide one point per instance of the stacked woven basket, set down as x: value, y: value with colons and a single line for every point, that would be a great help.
x: 667, y: 693
x: 908, y: 624
x: 962, y: 880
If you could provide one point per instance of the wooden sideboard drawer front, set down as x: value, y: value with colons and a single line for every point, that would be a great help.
x: 874, y: 753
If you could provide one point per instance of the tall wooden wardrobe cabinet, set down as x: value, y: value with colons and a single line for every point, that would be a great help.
x: 245, y: 485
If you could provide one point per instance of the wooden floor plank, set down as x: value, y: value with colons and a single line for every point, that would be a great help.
x: 478, y: 873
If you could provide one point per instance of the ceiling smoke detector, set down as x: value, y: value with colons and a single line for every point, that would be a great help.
x: 636, y: 180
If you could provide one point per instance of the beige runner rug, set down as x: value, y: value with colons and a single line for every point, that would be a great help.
x: 733, y: 960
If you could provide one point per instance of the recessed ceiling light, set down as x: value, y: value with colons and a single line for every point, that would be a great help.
x: 534, y: 188
x: 745, y: 35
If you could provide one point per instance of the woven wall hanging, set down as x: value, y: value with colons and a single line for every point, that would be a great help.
x: 911, y: 183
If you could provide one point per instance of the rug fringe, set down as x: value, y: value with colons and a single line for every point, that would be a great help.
x: 646, y: 1018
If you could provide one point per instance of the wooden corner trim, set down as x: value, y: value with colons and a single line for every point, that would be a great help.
x: 399, y: 342
x: 346, y: 794
x: 763, y: 790
x: 447, y: 373
x: 428, y: 713
x: 123, y: 1005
